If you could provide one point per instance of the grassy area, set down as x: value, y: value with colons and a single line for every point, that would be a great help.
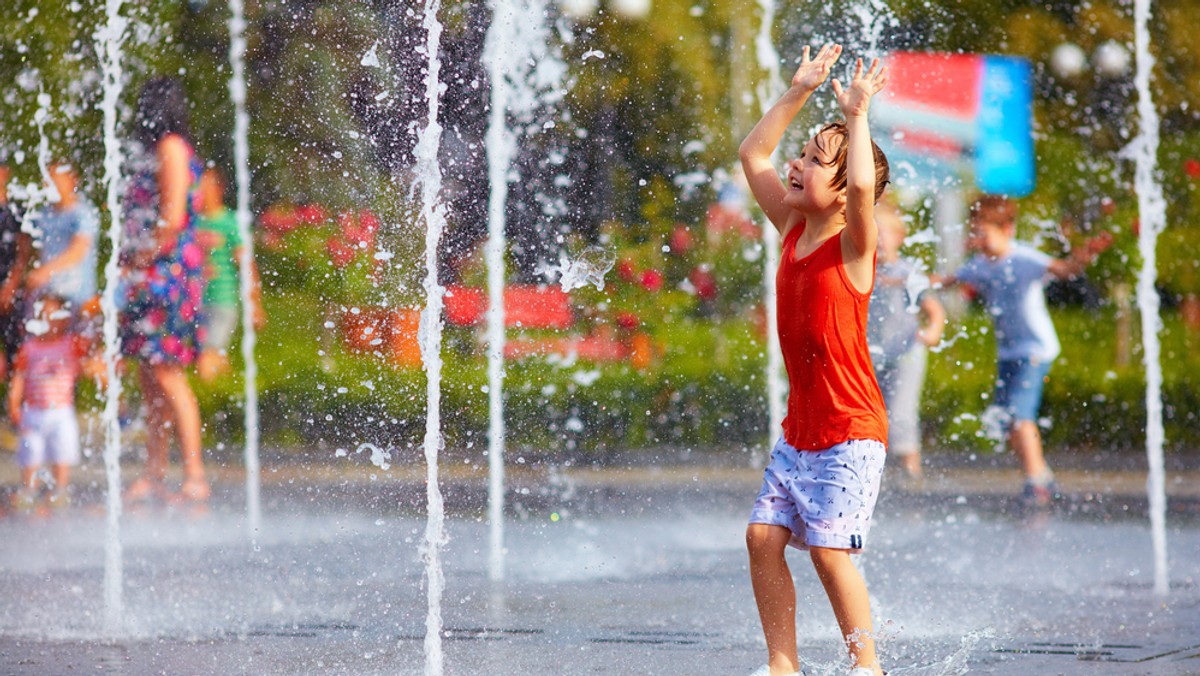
x: 705, y: 390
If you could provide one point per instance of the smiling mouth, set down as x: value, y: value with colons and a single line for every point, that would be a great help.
x: 794, y: 183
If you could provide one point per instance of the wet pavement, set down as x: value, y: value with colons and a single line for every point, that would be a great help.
x: 611, y: 570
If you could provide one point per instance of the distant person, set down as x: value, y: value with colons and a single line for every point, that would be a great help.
x: 1009, y: 275
x: 898, y: 337
x: 163, y: 267
x: 15, y: 253
x: 820, y: 487
x: 218, y: 232
x: 41, y: 402
x: 65, y: 234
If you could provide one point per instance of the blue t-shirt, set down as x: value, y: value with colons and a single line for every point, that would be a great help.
x: 1016, y: 299
x: 52, y: 232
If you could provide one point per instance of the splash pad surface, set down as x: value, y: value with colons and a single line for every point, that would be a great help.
x: 613, y: 570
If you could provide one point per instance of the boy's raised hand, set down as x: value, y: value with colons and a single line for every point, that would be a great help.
x: 855, y: 99
x: 812, y: 73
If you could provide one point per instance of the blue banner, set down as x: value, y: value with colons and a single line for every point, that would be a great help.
x: 1004, y: 155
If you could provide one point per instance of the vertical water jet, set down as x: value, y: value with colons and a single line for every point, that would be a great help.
x: 433, y: 218
x: 1152, y: 213
x: 109, y: 42
x: 241, y: 159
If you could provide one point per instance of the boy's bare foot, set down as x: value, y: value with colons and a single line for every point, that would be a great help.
x: 195, y: 489
x: 912, y: 465
x: 144, y: 489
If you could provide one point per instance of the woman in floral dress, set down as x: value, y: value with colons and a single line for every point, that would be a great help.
x: 163, y: 270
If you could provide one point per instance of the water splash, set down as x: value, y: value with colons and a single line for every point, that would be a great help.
x: 769, y: 90
x: 109, y: 42
x: 916, y: 283
x: 1152, y: 210
x: 371, y: 58
x: 241, y: 156
x: 874, y: 16
x: 589, y: 267
x: 524, y: 76
x: 501, y: 146
x: 429, y: 179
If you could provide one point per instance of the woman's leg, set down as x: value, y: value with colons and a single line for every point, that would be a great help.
x: 158, y: 439
x: 184, y: 412
x: 775, y: 594
x: 847, y: 592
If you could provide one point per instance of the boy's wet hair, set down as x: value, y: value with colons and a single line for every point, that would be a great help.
x: 883, y: 172
x: 997, y: 209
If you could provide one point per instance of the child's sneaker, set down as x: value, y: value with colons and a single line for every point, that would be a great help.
x: 1039, y: 491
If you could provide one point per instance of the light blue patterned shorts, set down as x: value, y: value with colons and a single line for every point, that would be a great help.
x: 826, y: 497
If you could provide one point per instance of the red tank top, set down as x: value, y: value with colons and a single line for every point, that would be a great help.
x: 834, y: 396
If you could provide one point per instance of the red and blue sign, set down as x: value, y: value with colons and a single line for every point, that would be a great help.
x: 948, y: 113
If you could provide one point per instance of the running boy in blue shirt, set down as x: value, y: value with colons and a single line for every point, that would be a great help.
x: 1009, y: 276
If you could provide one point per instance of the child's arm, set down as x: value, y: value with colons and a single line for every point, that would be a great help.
x: 16, y: 392
x: 755, y: 152
x: 1081, y: 257
x: 860, y: 158
x: 935, y: 320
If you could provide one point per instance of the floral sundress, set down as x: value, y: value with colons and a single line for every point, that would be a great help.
x: 161, y: 322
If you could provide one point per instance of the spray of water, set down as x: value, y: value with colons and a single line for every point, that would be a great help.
x: 875, y: 16
x: 501, y: 145
x: 1152, y: 210
x: 109, y: 41
x: 40, y: 117
x: 589, y: 267
x: 429, y: 178
x: 769, y: 90
x: 241, y: 157
x: 523, y: 76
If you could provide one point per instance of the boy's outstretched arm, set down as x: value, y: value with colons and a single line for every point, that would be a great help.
x: 1081, y: 257
x: 755, y: 152
x: 860, y: 159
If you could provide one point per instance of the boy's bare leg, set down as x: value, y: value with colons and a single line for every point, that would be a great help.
x: 1027, y: 442
x: 62, y: 477
x: 28, y: 477
x: 847, y: 592
x: 775, y: 594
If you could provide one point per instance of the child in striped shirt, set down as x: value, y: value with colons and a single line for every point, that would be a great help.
x: 41, y: 402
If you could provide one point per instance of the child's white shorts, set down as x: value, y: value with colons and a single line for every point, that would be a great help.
x: 49, y: 436
x: 825, y: 497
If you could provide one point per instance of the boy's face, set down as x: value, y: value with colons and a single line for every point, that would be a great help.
x: 989, y: 236
x: 810, y: 178
x: 63, y: 177
x: 891, y: 229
